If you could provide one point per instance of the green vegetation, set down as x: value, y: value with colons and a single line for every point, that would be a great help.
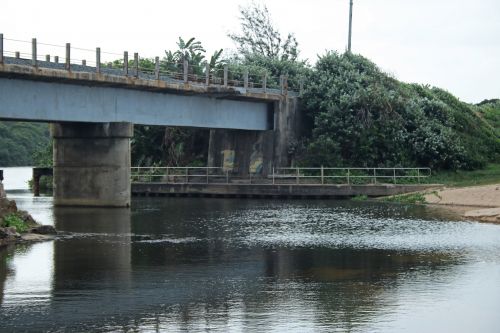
x: 363, y: 117
x: 361, y: 197
x: 490, y: 111
x: 489, y: 175
x: 411, y: 198
x: 13, y: 220
x: 19, y: 141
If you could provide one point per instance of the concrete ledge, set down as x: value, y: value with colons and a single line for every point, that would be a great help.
x: 257, y: 190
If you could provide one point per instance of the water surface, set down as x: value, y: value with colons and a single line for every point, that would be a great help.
x: 219, y: 265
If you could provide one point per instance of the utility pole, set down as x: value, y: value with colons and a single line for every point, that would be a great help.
x: 350, y: 28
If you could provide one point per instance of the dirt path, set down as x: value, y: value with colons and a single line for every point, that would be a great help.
x: 478, y: 202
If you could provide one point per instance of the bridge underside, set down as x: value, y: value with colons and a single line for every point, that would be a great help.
x: 32, y: 100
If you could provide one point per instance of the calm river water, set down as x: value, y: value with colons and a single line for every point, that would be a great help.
x: 233, y: 265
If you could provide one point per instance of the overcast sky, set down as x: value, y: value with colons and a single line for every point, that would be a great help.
x: 452, y: 44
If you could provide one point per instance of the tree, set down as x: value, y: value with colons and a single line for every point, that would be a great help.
x: 259, y: 37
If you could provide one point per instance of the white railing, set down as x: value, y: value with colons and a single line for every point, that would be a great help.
x: 280, y: 176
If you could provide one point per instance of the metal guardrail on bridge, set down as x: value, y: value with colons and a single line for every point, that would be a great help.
x: 281, y: 176
x: 62, y: 57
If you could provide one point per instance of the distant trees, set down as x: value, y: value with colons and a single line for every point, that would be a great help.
x: 19, y: 141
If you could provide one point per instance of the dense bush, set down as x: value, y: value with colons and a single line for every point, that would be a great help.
x: 363, y: 117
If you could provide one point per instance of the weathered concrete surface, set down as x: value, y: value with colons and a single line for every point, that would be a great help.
x: 62, y: 102
x: 257, y: 190
x: 92, y: 164
x: 259, y: 151
x: 2, y: 191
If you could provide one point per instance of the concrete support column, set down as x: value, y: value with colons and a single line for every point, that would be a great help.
x: 241, y: 152
x: 92, y: 164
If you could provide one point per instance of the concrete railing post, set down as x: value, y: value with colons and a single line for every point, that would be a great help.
x: 298, y: 175
x: 157, y: 68
x: 187, y: 175
x: 125, y: 63
x: 322, y: 175
x: 47, y: 57
x: 33, y: 52
x: 394, y: 175
x: 418, y: 175
x: 56, y: 59
x: 17, y: 55
x: 207, y: 74
x: 348, y: 176
x: 98, y: 59
x: 185, y: 67
x: 1, y: 48
x: 84, y: 62
x: 245, y: 79
x: 226, y: 75
x: 264, y: 83
x: 136, y: 64
x: 374, y: 176
x: 68, y: 57
x: 273, y: 176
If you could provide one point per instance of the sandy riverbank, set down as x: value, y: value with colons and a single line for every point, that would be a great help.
x: 481, y: 203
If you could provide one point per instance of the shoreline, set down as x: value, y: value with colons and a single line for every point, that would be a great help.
x: 18, y: 226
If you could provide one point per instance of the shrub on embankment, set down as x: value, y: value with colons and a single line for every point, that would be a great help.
x: 363, y: 117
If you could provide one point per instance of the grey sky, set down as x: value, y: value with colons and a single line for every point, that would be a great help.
x: 453, y: 44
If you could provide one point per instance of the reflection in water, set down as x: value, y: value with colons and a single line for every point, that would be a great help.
x: 246, y: 265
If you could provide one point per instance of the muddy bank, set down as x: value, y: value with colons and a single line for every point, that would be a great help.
x: 480, y: 203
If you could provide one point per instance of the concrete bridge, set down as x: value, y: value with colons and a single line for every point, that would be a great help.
x: 92, y: 110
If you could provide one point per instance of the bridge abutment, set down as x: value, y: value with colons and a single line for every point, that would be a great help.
x: 242, y: 152
x: 92, y: 164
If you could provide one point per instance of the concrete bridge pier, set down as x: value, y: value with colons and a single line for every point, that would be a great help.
x: 92, y: 164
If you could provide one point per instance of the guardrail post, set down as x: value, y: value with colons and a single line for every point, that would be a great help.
x: 1, y: 48
x: 245, y: 79
x: 84, y: 62
x: 348, y: 176
x: 298, y: 174
x: 136, y: 64
x: 227, y: 176
x: 264, y: 82
x: 322, y: 176
x: 418, y: 175
x: 250, y: 177
x: 207, y: 74
x: 273, y: 175
x: 47, y: 57
x: 187, y: 175
x: 157, y: 68
x: 56, y: 59
x: 186, y: 67
x: 394, y: 175
x: 125, y: 63
x: 17, y: 55
x: 68, y: 57
x: 226, y: 74
x: 207, y: 175
x: 98, y: 59
x: 166, y: 174
x: 33, y: 52
x: 374, y: 176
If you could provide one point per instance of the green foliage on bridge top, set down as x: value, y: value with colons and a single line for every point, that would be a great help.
x: 19, y: 141
x: 362, y: 116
